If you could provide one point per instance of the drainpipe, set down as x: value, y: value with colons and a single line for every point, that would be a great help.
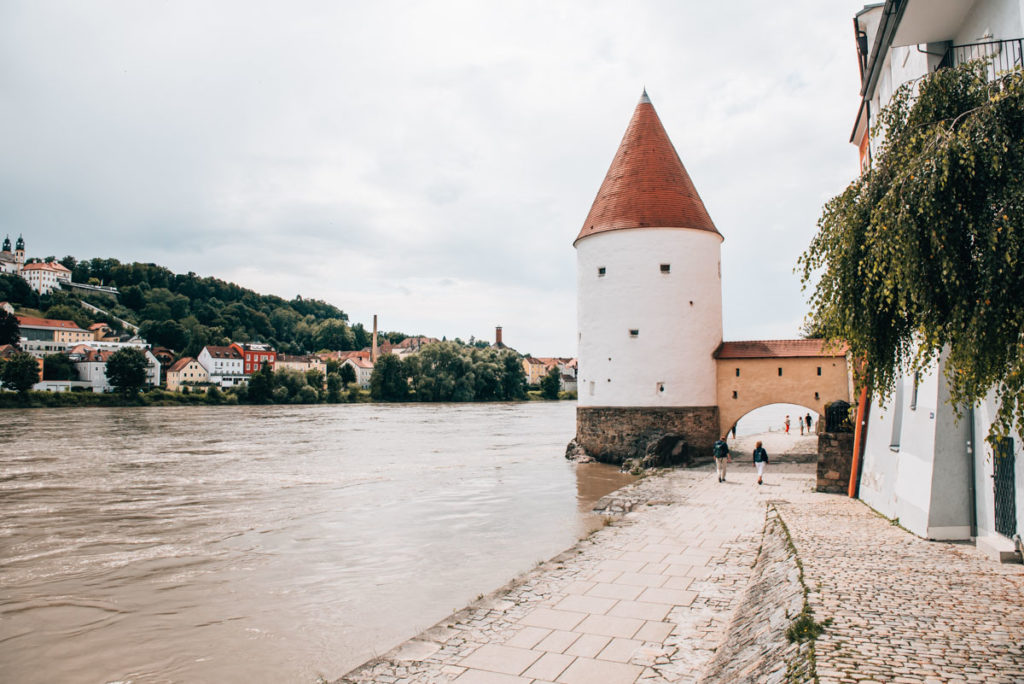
x: 859, y: 435
x: 971, y: 462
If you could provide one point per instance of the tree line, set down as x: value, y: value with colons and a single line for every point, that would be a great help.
x: 449, y: 371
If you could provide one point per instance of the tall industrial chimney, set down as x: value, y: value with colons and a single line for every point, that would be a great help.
x: 373, y: 349
x: 497, y: 336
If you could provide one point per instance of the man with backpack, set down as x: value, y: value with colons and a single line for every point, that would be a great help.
x: 722, y: 457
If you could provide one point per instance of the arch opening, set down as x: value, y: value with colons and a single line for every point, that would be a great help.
x: 771, y: 418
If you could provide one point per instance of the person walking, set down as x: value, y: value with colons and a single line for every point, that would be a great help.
x: 808, y: 421
x: 760, y: 461
x: 800, y: 419
x: 722, y: 457
x: 786, y: 423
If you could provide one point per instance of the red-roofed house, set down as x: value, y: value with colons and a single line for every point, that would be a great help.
x: 300, y: 363
x: 224, y: 365
x: 255, y: 356
x: 361, y: 364
x: 186, y: 372
x: 91, y: 365
x: 44, y: 278
x: 42, y: 336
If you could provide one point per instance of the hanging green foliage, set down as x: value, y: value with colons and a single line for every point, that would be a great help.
x: 924, y: 254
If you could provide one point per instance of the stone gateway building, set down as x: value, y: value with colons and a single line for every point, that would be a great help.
x: 649, y: 306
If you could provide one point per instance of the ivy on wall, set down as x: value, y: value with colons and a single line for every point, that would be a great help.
x: 924, y: 254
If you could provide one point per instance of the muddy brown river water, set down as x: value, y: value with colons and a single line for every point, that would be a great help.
x: 267, y: 544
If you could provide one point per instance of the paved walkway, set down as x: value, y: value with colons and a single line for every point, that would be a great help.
x: 651, y: 597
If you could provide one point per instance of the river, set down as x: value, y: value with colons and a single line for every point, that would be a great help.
x: 267, y: 544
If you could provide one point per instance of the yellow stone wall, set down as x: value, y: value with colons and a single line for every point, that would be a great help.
x: 759, y: 384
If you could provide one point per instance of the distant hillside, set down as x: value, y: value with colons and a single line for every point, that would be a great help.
x: 185, y: 312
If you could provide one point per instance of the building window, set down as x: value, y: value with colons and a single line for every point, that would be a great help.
x: 601, y: 271
x: 666, y: 268
x: 819, y: 370
x: 634, y: 332
x: 897, y: 417
x: 913, y: 392
x: 661, y: 387
x: 737, y: 372
x: 735, y: 394
x: 816, y: 396
x: 780, y: 372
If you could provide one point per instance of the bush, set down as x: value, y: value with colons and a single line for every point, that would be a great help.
x: 307, y: 395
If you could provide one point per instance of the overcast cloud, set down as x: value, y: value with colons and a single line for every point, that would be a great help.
x: 428, y: 162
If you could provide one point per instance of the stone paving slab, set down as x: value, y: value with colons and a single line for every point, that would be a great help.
x: 645, y: 599
x: 656, y: 595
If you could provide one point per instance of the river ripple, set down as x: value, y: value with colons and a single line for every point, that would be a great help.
x: 267, y: 544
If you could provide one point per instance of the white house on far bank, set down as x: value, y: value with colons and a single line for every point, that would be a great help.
x: 920, y: 464
x: 91, y: 366
x: 224, y: 365
x: 363, y: 368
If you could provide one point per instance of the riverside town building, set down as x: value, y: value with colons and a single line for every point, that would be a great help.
x: 649, y: 286
x: 918, y: 461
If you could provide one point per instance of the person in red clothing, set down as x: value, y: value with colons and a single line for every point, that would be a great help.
x: 787, y: 425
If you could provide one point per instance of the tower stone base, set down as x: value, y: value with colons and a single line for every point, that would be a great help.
x: 612, y: 434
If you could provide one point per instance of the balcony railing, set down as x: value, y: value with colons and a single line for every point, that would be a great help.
x: 1002, y: 55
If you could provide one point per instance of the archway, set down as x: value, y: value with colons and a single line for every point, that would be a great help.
x: 771, y: 418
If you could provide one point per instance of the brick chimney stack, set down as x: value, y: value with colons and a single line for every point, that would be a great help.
x: 373, y: 349
x: 497, y: 336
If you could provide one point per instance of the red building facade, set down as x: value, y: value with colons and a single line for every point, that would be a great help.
x: 254, y: 356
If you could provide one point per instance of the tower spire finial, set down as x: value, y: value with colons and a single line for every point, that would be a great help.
x: 644, y: 99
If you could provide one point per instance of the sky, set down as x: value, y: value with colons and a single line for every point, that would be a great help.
x: 430, y: 163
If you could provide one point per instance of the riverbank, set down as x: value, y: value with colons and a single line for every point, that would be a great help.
x: 159, y: 397
x: 723, y: 582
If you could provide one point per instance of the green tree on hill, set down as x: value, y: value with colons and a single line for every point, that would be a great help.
x: 58, y: 367
x: 347, y: 374
x: 10, y: 331
x: 389, y: 381
x: 20, y: 371
x: 126, y: 370
x: 261, y: 386
x: 550, y: 383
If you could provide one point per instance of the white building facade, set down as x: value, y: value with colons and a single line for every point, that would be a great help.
x: 920, y: 463
x: 44, y: 278
x: 363, y: 368
x: 224, y: 365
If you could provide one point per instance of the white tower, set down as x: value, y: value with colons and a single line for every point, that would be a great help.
x: 649, y: 296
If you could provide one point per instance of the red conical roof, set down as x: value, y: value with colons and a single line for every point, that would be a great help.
x: 647, y: 185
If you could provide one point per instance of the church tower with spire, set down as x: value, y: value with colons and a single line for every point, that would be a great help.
x: 649, y: 302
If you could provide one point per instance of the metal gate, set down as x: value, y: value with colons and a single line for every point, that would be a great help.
x: 1005, y: 491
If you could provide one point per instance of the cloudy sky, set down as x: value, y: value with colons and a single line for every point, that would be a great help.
x: 428, y: 162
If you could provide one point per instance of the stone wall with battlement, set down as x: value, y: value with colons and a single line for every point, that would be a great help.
x: 614, y: 434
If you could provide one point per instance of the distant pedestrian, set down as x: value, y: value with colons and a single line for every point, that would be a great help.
x: 800, y: 420
x: 722, y: 457
x: 808, y: 423
x: 786, y: 423
x: 760, y: 461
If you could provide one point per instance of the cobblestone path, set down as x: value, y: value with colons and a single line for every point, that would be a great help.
x: 650, y: 598
x: 904, y: 609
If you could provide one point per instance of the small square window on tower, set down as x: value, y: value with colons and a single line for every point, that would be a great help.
x: 737, y: 372
x: 601, y: 270
x: 780, y: 372
x: 661, y: 387
x: 819, y: 370
x: 666, y: 268
x: 634, y: 332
